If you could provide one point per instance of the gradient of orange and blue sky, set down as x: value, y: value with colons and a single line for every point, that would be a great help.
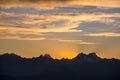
x: 61, y: 28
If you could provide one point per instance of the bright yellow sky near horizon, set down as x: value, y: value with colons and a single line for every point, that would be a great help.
x: 61, y: 28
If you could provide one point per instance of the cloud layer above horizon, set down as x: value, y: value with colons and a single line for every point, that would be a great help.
x: 76, y: 22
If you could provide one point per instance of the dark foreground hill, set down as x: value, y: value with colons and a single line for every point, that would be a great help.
x: 44, y: 67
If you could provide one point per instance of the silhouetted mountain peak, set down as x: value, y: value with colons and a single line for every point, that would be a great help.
x: 10, y: 58
x: 46, y: 56
x: 81, y: 57
x: 81, y: 54
x: 92, y: 54
x: 10, y: 55
x: 91, y: 57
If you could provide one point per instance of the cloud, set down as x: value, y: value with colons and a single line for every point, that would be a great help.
x: 21, y: 38
x: 104, y: 34
x: 52, y: 4
x: 28, y: 31
x: 75, y: 41
x: 89, y: 17
x: 55, y: 20
x: 34, y: 24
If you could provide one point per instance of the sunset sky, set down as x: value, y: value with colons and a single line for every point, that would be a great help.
x: 61, y: 28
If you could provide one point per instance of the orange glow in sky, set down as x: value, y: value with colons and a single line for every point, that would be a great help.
x: 61, y: 28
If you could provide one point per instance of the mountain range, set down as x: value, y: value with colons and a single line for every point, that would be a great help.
x: 82, y: 67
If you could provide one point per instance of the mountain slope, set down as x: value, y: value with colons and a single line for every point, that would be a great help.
x: 44, y: 67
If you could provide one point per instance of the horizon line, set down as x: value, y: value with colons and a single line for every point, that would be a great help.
x: 46, y: 54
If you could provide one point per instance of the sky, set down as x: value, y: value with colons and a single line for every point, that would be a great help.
x: 61, y: 28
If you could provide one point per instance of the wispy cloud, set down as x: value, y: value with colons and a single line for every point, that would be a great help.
x: 22, y: 38
x: 75, y: 41
x: 28, y: 31
x: 12, y: 23
x: 52, y: 4
x: 104, y: 34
